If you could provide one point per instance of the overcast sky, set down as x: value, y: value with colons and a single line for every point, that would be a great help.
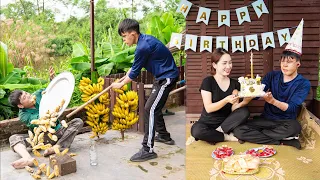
x: 62, y: 12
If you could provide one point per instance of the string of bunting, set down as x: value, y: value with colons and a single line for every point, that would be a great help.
x: 238, y: 43
x: 224, y: 15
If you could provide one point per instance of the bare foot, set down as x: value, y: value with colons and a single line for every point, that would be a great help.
x: 21, y: 163
x: 48, y: 152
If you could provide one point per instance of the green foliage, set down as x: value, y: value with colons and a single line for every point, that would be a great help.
x: 110, y: 59
x: 162, y: 27
x: 13, y: 78
x: 62, y: 45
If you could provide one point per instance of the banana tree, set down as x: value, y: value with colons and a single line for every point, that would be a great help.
x: 109, y: 58
x: 162, y: 27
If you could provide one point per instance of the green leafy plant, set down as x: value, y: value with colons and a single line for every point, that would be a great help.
x: 162, y: 27
x: 13, y: 78
x: 110, y: 58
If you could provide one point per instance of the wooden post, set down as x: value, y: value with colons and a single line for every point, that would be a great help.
x: 141, y: 107
x: 122, y: 135
x: 135, y: 88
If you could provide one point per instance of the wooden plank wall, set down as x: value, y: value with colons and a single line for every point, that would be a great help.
x: 282, y: 14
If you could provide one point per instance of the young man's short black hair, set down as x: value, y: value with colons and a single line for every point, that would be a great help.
x: 286, y: 54
x: 14, y: 98
x: 128, y: 25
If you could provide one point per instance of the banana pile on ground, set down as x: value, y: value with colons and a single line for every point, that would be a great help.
x: 98, y: 111
x: 125, y: 110
x: 46, y: 125
x: 44, y: 168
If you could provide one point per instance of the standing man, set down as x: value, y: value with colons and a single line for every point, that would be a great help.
x: 157, y: 59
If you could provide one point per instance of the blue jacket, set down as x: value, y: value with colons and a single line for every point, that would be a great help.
x: 155, y: 57
x: 293, y: 93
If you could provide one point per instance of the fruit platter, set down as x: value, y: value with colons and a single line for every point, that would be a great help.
x: 222, y: 152
x: 263, y: 152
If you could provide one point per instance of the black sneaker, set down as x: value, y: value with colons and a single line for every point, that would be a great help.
x: 159, y: 139
x: 143, y: 155
x: 294, y: 142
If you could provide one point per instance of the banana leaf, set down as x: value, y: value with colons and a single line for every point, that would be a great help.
x: 11, y: 78
x: 3, y: 60
x: 79, y: 50
x: 100, y: 60
x: 34, y: 81
x: 21, y: 86
x: 105, y: 69
x: 80, y: 63
x: 167, y: 19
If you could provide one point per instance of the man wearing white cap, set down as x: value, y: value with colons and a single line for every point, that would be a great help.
x: 286, y: 91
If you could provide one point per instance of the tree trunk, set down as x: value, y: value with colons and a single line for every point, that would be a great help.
x: 38, y: 7
x: 24, y: 8
x: 42, y: 6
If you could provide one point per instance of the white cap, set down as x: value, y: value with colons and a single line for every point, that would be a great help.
x: 295, y: 43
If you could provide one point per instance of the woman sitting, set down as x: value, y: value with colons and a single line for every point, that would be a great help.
x: 221, y: 102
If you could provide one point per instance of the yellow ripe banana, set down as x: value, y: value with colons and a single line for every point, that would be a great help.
x: 35, y: 121
x: 48, y: 171
x: 56, y: 150
x: 51, y: 175
x: 100, y: 87
x: 47, y: 146
x: 35, y: 162
x: 30, y: 134
x: 40, y: 137
x: 124, y: 96
x: 119, y: 101
x: 54, y: 138
x: 64, y: 151
x: 29, y: 169
x: 36, y: 176
x: 90, y: 87
x: 64, y: 124
x: 90, y: 123
x: 85, y: 95
x: 94, y: 134
x: 52, y: 131
x: 36, y: 153
x: 38, y: 146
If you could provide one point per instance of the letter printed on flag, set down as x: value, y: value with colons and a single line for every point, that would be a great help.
x: 224, y: 18
x: 252, y: 42
x: 243, y: 14
x: 176, y: 39
x: 283, y: 36
x: 237, y: 43
x: 191, y: 42
x: 260, y: 8
x: 267, y: 40
x: 222, y: 42
x: 203, y: 15
x: 206, y: 43
x: 184, y: 7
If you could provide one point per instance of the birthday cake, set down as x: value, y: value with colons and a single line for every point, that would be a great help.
x: 251, y: 87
